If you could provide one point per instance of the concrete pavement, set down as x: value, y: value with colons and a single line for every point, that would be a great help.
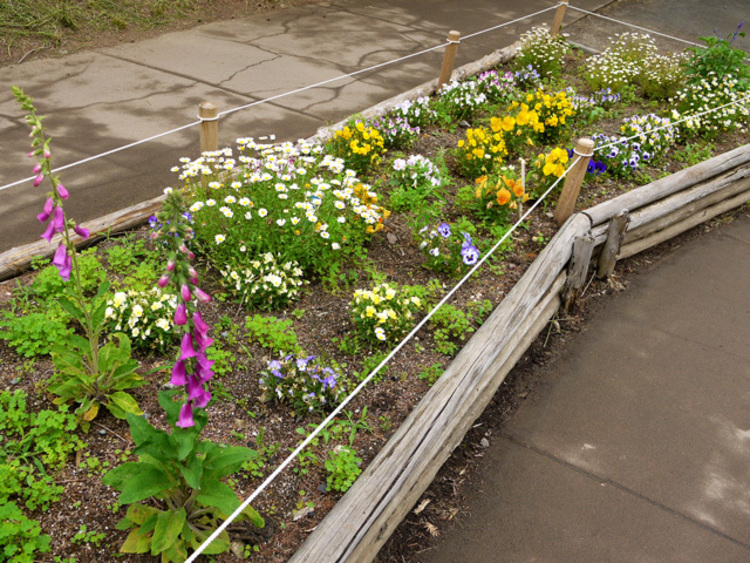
x: 106, y: 98
x: 636, y: 444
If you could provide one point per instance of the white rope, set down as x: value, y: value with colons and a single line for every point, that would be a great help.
x: 673, y: 123
x: 517, y: 20
x: 650, y: 31
x: 107, y: 153
x: 365, y: 381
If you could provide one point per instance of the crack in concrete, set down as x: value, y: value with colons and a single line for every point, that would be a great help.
x: 623, y: 488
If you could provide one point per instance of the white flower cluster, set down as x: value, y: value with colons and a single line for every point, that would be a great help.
x: 416, y: 171
x: 708, y: 95
x: 145, y: 316
x: 621, y: 63
x: 459, y: 100
x: 265, y: 283
x: 382, y: 313
x: 542, y: 51
x: 416, y: 113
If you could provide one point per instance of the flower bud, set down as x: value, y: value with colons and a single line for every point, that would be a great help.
x: 170, y: 266
x: 38, y: 180
x: 185, y: 290
x: 82, y: 232
x: 201, y: 295
x: 163, y: 281
x: 37, y: 168
x: 62, y: 191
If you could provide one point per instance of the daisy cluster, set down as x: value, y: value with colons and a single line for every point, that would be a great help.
x: 620, y: 64
x: 383, y: 313
x: 542, y: 52
x: 498, y: 88
x: 709, y: 94
x: 145, y: 316
x: 456, y: 101
x: 662, y: 76
x: 292, y: 200
x: 264, y: 284
x: 303, y: 383
x: 447, y: 251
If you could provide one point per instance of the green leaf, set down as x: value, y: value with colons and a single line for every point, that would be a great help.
x: 149, y: 439
x: 193, y: 471
x: 168, y: 527
x: 219, y: 495
x: 220, y: 462
x: 139, y: 513
x: 251, y: 514
x: 120, y: 403
x: 136, y: 542
x: 138, y: 480
x: 72, y: 309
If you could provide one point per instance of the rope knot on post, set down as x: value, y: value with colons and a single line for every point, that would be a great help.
x: 454, y: 38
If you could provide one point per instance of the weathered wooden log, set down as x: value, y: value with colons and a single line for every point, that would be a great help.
x: 578, y: 267
x: 18, y: 260
x: 668, y: 185
x: 615, y: 236
x: 361, y: 522
x: 675, y: 229
x: 678, y: 206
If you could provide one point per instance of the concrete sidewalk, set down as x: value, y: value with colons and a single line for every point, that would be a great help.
x: 103, y: 99
x: 636, y: 444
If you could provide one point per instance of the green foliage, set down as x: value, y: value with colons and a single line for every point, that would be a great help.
x: 369, y: 363
x: 449, y: 248
x: 184, y: 473
x: 452, y: 325
x: 48, y: 284
x: 20, y: 537
x: 35, y: 333
x: 86, y: 536
x: 432, y: 373
x: 457, y: 101
x: 132, y: 259
x: 223, y: 359
x: 343, y: 468
x: 721, y: 57
x: 94, y: 381
x: 265, y: 452
x: 273, y: 333
x: 693, y: 153
x: 340, y: 430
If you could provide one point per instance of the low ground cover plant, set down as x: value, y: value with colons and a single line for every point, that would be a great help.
x: 280, y: 275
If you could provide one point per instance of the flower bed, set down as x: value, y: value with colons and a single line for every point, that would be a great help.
x: 319, y: 258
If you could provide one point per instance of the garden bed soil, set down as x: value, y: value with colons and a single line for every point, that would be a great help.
x: 320, y: 318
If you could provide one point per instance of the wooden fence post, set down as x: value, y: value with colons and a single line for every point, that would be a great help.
x: 615, y: 236
x: 454, y: 37
x: 557, y: 22
x: 567, y: 202
x: 578, y: 267
x: 209, y: 116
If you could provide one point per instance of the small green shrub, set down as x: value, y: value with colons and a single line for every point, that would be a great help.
x: 273, y: 333
x: 35, y: 333
x: 343, y: 468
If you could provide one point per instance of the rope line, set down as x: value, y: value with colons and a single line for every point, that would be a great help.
x: 499, y: 26
x: 627, y: 24
x: 372, y: 374
x: 673, y: 123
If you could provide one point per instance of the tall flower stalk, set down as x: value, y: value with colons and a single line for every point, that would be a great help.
x: 192, y: 368
x: 85, y: 372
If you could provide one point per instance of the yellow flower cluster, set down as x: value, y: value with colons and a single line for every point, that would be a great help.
x: 540, y: 118
x: 553, y: 163
x: 360, y: 146
x: 504, y: 191
x: 385, y: 312
x: 481, y: 150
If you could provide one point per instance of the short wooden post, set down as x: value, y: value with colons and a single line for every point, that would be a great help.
x: 454, y: 37
x: 209, y: 116
x: 559, y: 14
x: 615, y: 235
x: 578, y: 267
x: 567, y: 202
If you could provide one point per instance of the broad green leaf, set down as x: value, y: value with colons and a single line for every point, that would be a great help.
x: 176, y: 552
x: 139, y: 513
x: 192, y: 471
x: 220, y: 462
x: 72, y: 309
x: 168, y: 527
x: 91, y: 412
x: 146, y: 481
x: 149, y: 439
x: 219, y: 545
x: 121, y: 403
x: 136, y: 542
x: 219, y: 495
x: 251, y: 514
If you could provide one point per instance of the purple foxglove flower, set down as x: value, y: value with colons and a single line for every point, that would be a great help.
x: 201, y: 295
x: 163, y: 281
x: 82, y: 232
x: 49, y: 207
x: 31, y: 154
x: 170, y: 266
x: 202, y: 341
x: 199, y: 324
x: 62, y: 191
x: 203, y: 368
x: 180, y: 315
x: 178, y: 374
x: 197, y: 393
x: 186, y: 347
x: 37, y: 168
x: 49, y: 232
x: 38, y: 180
x: 63, y: 262
x: 59, y: 219
x: 186, y: 416
x: 47, y: 154
x: 185, y: 290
